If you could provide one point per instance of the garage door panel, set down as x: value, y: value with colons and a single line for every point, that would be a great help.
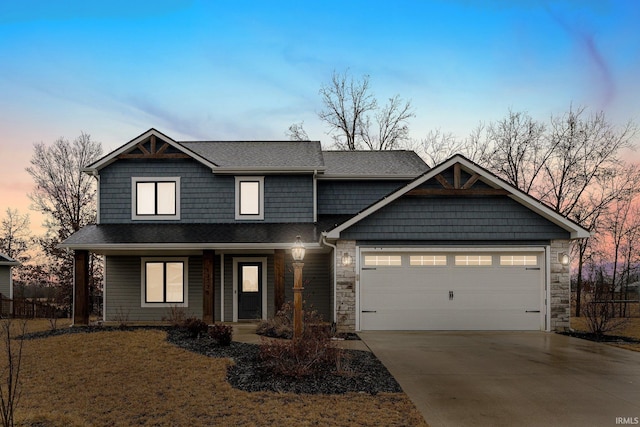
x: 451, y: 297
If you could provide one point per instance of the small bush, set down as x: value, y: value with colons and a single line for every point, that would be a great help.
x: 600, y: 315
x: 313, y: 352
x: 195, y: 326
x: 280, y: 326
x: 221, y: 333
x: 175, y: 316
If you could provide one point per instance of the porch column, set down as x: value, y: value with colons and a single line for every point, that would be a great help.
x: 208, y: 268
x: 278, y: 280
x: 81, y: 288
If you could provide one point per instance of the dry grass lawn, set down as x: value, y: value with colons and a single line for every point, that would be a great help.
x: 137, y: 378
x: 631, y: 329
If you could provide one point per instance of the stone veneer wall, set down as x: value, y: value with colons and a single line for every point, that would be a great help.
x: 346, y: 287
x: 560, y: 287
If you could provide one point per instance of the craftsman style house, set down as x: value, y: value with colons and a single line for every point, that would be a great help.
x: 390, y: 243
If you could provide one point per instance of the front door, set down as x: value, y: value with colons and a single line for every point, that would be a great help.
x: 249, y: 290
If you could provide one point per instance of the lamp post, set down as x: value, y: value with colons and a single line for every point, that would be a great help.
x: 297, y: 253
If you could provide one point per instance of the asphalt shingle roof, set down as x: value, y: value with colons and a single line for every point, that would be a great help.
x: 7, y: 260
x: 373, y: 163
x: 267, y: 154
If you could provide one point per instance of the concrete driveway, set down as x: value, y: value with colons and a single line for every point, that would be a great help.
x: 512, y: 378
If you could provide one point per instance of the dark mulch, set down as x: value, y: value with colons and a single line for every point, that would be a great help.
x: 362, y: 371
x: 601, y: 338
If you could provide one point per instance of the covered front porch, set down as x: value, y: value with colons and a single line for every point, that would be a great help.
x: 227, y: 285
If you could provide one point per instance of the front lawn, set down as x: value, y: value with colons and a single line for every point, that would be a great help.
x: 138, y: 378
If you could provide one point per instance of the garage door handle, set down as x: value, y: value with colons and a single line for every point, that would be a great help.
x: 533, y: 268
x: 532, y: 311
x: 368, y: 268
x: 369, y: 311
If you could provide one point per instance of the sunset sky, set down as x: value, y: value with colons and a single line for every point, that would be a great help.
x: 247, y: 70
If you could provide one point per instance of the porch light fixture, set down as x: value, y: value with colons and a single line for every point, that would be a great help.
x: 298, y: 250
x: 297, y: 253
x: 563, y: 258
x: 346, y: 259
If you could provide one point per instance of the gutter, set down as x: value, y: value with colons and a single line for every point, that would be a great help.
x: 335, y: 274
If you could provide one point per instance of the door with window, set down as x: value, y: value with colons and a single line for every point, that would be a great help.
x: 249, y: 290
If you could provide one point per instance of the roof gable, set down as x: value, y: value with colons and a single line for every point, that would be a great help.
x: 7, y: 260
x: 152, y: 144
x: 462, y: 185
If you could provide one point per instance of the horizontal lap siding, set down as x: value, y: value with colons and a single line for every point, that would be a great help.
x: 5, y: 280
x: 350, y: 197
x: 317, y: 282
x: 123, y: 290
x: 454, y: 219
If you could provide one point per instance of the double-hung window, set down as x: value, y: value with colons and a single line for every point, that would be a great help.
x: 164, y: 282
x: 249, y: 197
x: 155, y: 198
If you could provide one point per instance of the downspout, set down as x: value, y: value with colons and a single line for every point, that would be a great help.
x: 315, y: 196
x: 335, y: 274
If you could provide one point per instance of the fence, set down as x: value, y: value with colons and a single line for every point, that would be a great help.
x: 25, y: 308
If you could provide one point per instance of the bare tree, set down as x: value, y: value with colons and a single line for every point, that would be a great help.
x: 296, y: 132
x: 354, y: 118
x: 517, y: 149
x: 67, y: 197
x: 15, y: 234
x: 576, y: 178
x: 63, y: 192
x: 10, y: 385
x: 390, y: 127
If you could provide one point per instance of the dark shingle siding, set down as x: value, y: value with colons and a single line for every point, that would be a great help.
x: 350, y: 197
x: 205, y: 197
x: 452, y: 219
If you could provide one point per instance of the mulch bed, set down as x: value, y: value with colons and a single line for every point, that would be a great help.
x: 361, y: 372
x: 601, y: 338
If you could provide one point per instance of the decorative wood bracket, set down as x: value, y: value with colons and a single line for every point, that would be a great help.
x: 458, y: 188
x: 154, y: 152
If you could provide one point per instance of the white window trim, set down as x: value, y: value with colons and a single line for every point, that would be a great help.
x: 185, y: 278
x: 134, y: 199
x: 260, y: 180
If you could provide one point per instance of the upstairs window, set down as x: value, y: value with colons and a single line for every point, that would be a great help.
x: 155, y: 198
x: 249, y: 197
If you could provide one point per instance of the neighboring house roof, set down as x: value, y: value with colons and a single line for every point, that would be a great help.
x: 279, y: 156
x: 7, y: 260
x: 261, y: 155
x: 373, y: 164
x: 114, y: 237
x: 575, y: 230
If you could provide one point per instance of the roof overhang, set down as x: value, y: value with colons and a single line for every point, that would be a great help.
x: 576, y: 231
x: 267, y: 170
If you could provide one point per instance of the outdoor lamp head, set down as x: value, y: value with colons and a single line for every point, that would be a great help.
x: 564, y: 258
x: 298, y: 250
x: 346, y: 259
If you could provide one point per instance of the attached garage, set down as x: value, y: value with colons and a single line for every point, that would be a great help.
x: 449, y: 289
x: 455, y: 249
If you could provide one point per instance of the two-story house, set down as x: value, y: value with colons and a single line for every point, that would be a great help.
x: 390, y: 244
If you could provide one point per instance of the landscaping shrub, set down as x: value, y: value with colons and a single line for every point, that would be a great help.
x: 280, y: 326
x: 221, y: 333
x: 600, y: 315
x: 312, y: 353
x: 195, y: 326
x: 175, y: 316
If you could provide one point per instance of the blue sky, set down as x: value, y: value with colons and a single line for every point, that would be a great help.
x: 248, y: 69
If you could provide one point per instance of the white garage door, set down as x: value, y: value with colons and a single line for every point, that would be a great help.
x: 451, y: 291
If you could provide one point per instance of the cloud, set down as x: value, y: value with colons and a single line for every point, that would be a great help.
x: 597, y: 66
